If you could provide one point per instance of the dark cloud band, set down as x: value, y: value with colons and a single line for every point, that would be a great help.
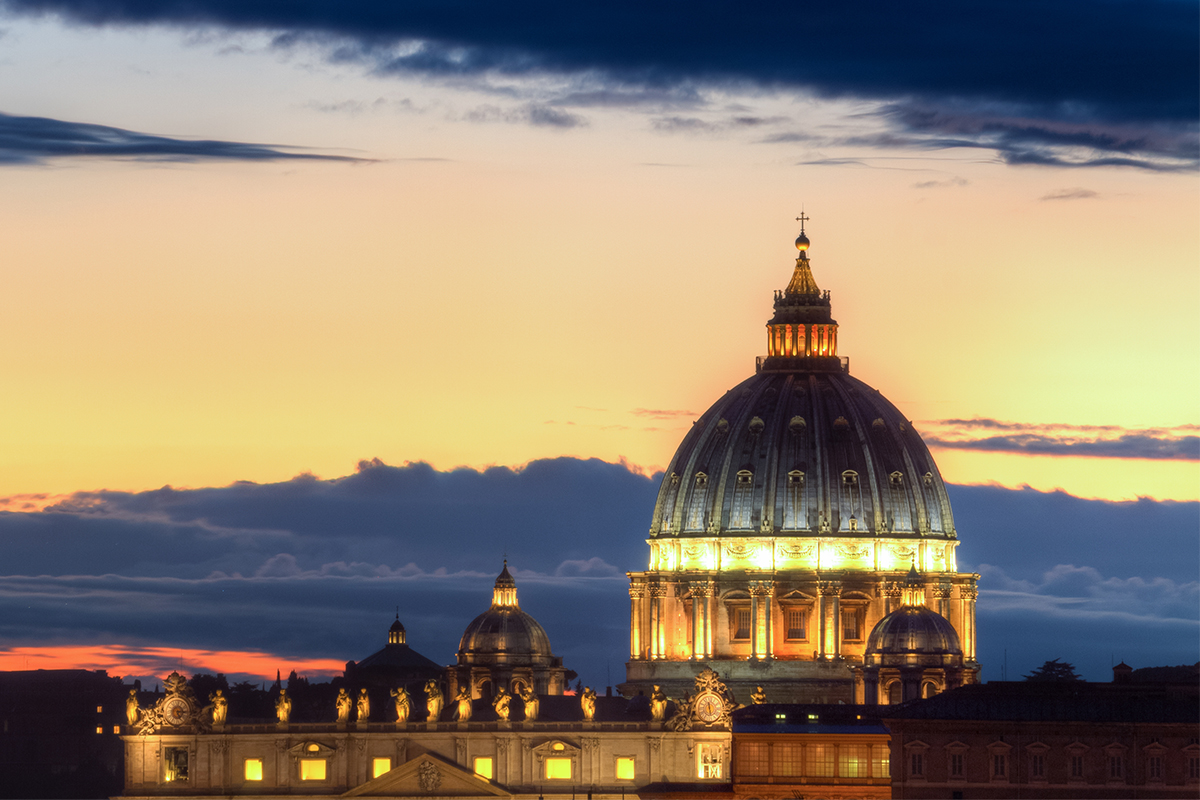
x: 1093, y: 441
x: 37, y: 140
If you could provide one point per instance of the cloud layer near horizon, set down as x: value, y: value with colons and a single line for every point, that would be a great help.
x: 312, y: 569
x: 997, y: 76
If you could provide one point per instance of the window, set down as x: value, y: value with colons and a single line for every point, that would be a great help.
x: 312, y: 769
x: 741, y: 626
x: 1193, y: 768
x: 916, y: 765
x: 380, y: 766
x: 1076, y: 766
x: 99, y: 729
x: 881, y: 761
x: 853, y: 761
x: 252, y: 769
x: 558, y: 768
x: 852, y: 623
x: 999, y: 765
x: 1154, y: 768
x: 99, y: 709
x: 1037, y: 765
x: 710, y: 761
x: 819, y: 763
x: 116, y: 728
x: 483, y: 767
x: 625, y: 768
x: 788, y: 761
x: 956, y: 764
x: 1116, y: 768
x: 175, y: 765
x: 797, y: 623
x: 753, y: 759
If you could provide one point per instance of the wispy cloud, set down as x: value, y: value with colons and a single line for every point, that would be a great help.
x: 1071, y: 194
x: 944, y: 184
x: 40, y: 140
x: 537, y: 115
x: 1181, y: 442
x: 662, y: 413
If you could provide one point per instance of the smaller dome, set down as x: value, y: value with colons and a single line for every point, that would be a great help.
x: 912, y: 631
x: 504, y: 633
x: 396, y: 632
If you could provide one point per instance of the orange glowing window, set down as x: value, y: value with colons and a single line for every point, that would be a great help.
x: 483, y: 767
x: 380, y: 766
x: 253, y: 769
x: 312, y: 769
x: 558, y: 769
x: 625, y: 768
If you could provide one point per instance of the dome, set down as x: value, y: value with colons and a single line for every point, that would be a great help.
x: 913, y: 631
x: 504, y: 633
x: 803, y: 449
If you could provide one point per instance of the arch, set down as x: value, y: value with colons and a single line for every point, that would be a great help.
x: 929, y: 689
x: 849, y: 478
x: 894, y: 692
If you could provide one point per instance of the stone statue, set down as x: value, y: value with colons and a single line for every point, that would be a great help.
x: 132, y: 712
x: 532, y: 704
x: 220, y: 707
x: 463, y: 698
x: 343, y: 706
x: 658, y: 704
x: 283, y: 706
x: 587, y: 702
x: 759, y: 697
x: 433, y: 701
x: 364, y: 705
x: 403, y: 704
x: 501, y: 702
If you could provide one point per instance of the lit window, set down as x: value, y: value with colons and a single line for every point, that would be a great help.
x: 116, y: 728
x: 175, y: 764
x: 381, y: 766
x: 853, y: 761
x: 314, y: 748
x: 625, y: 768
x: 819, y: 761
x: 99, y: 709
x: 753, y: 759
x: 312, y: 769
x: 797, y: 619
x: 99, y: 729
x: 558, y: 769
x: 710, y: 761
x: 852, y: 623
x: 483, y: 767
x: 741, y: 625
x: 881, y: 761
x: 253, y: 769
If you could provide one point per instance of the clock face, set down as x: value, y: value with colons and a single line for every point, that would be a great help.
x: 175, y: 711
x: 709, y: 707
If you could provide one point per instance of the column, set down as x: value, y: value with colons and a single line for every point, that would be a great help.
x: 970, y: 594
x: 820, y: 622
x: 830, y: 641
x: 657, y: 639
x: 760, y: 618
x: 941, y: 596
x: 637, y: 594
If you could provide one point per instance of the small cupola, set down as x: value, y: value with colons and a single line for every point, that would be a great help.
x: 396, y: 632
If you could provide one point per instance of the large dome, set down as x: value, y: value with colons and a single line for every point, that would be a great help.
x: 811, y: 452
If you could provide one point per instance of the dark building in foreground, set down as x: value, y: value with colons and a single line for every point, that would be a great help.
x: 60, y: 733
x: 1049, y: 739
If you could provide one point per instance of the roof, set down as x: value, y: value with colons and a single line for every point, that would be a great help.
x: 809, y: 718
x: 398, y: 656
x: 1058, y: 701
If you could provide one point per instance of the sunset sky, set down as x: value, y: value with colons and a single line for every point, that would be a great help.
x: 248, y: 245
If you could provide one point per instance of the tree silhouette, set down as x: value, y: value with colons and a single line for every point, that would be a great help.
x: 1053, y: 670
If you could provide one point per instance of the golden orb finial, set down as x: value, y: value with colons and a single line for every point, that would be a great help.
x: 802, y: 240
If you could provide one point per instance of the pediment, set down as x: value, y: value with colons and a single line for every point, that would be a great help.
x: 425, y: 776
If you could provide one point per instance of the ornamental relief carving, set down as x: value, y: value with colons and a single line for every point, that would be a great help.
x: 798, y: 551
x: 741, y: 552
x: 850, y: 551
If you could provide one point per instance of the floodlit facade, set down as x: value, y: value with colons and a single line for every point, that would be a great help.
x: 785, y: 525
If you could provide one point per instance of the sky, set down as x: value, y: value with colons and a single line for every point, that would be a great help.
x: 269, y: 266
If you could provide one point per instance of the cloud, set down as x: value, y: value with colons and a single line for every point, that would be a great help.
x: 1071, y: 194
x: 948, y: 73
x: 662, y: 413
x: 949, y: 182
x: 541, y: 116
x: 312, y: 569
x: 39, y: 140
x: 1180, y: 443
